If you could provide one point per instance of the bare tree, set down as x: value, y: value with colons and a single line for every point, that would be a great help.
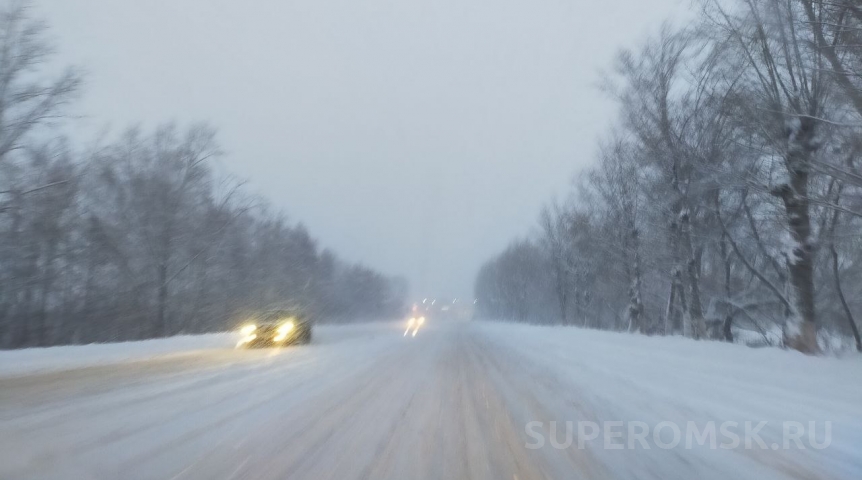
x: 729, y: 198
x: 28, y: 100
x: 658, y: 112
x: 836, y: 26
x: 785, y: 96
x: 617, y: 181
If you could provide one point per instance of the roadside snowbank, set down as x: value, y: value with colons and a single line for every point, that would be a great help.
x: 39, y: 360
x: 610, y: 376
x: 42, y: 360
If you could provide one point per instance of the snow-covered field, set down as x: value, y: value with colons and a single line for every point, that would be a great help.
x: 460, y: 400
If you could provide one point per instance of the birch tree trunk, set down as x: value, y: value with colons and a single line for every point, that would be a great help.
x: 800, y: 332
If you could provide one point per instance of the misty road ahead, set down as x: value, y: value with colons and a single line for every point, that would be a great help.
x: 367, y: 402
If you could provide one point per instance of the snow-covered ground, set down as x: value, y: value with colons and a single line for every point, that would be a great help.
x: 459, y: 400
x: 36, y: 360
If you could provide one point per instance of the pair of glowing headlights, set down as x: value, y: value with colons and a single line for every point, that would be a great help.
x: 280, y: 334
x: 414, y: 323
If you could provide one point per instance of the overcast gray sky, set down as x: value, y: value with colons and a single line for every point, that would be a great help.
x: 416, y: 136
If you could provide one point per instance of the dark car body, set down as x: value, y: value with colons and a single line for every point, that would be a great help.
x: 276, y: 329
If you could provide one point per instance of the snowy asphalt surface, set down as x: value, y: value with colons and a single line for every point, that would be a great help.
x: 451, y: 403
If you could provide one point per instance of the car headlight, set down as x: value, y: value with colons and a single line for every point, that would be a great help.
x: 248, y: 329
x: 411, y: 322
x: 285, y: 328
x: 421, y: 320
x: 246, y: 340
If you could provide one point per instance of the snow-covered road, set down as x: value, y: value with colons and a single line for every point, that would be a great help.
x: 454, y: 402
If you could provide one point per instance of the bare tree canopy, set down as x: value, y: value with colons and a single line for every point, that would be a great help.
x: 141, y: 238
x: 28, y: 100
x: 727, y: 198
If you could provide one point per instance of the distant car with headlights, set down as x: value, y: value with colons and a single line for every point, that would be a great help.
x: 275, y: 329
x: 413, y: 324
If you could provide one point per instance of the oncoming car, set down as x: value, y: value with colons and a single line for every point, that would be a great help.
x: 275, y: 329
x: 413, y: 324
